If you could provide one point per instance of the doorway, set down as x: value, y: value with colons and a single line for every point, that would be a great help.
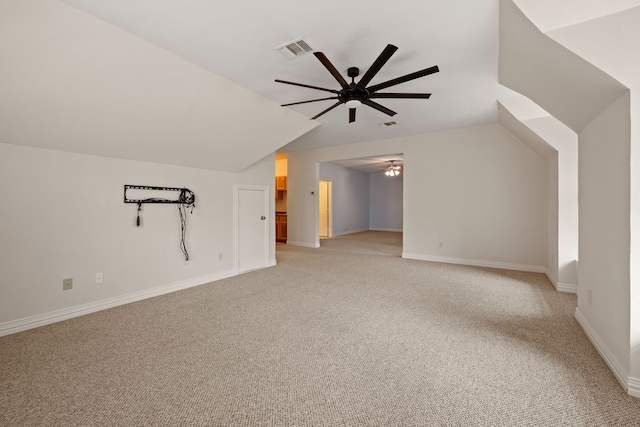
x: 324, y: 203
x: 252, y: 227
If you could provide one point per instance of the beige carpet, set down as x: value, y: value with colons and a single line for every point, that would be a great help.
x: 346, y: 335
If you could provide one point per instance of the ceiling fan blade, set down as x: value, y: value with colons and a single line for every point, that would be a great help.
x: 309, y: 86
x: 311, y: 100
x: 404, y: 79
x: 379, y: 107
x: 401, y: 95
x: 327, y: 110
x: 352, y: 115
x: 377, y: 65
x: 329, y: 66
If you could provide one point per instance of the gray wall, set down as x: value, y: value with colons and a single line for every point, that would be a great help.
x: 350, y: 198
x: 385, y: 202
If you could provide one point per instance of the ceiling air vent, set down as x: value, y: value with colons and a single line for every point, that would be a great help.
x: 294, y: 49
x: 385, y: 124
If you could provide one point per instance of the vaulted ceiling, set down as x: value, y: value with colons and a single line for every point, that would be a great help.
x: 192, y: 81
x: 236, y: 40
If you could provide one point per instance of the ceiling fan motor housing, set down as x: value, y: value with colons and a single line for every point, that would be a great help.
x: 353, y: 92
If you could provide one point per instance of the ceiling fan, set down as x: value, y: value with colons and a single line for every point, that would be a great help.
x: 392, y: 169
x: 355, y: 94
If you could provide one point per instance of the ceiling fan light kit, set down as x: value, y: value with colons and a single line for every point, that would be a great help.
x: 392, y: 169
x: 353, y: 103
x: 353, y: 94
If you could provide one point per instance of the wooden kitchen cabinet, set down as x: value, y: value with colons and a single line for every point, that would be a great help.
x: 281, y: 183
x: 281, y: 227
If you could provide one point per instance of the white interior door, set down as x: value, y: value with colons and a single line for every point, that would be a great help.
x: 323, y: 214
x: 252, y: 228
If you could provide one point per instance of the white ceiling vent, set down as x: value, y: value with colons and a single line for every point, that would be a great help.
x: 385, y: 124
x: 294, y: 49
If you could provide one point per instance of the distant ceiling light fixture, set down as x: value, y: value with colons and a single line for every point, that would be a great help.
x: 387, y: 124
x: 392, y: 170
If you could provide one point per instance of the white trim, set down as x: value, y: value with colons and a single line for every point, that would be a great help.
x: 607, y: 356
x: 344, y: 233
x: 19, y: 325
x: 567, y: 288
x: 477, y: 263
x: 561, y: 287
x: 387, y: 229
x: 303, y: 244
x: 634, y: 387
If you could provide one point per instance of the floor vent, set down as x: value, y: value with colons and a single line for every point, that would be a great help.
x: 385, y: 124
x: 294, y: 49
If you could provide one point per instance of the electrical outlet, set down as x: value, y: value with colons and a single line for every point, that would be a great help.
x: 440, y: 244
x: 67, y: 284
x: 99, y: 277
x: 220, y: 256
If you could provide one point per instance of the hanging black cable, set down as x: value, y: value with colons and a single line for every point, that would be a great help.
x: 186, y: 199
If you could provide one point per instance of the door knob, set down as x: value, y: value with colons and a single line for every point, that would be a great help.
x: 263, y: 217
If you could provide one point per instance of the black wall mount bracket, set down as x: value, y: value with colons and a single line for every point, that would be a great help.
x: 186, y: 198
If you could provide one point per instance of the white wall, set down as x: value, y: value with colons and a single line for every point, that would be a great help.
x: 596, y: 59
x: 561, y: 82
x: 604, y: 174
x: 552, y: 220
x: 635, y: 246
x: 63, y: 216
x: 349, y: 198
x: 568, y: 214
x: 479, y: 190
x: 558, y: 145
x: 385, y: 202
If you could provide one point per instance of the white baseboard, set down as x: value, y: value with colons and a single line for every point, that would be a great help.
x: 344, y: 233
x: 477, y: 263
x: 608, y: 357
x: 633, y: 387
x: 567, y: 288
x: 395, y: 230
x: 19, y: 325
x: 302, y: 244
x: 561, y: 287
